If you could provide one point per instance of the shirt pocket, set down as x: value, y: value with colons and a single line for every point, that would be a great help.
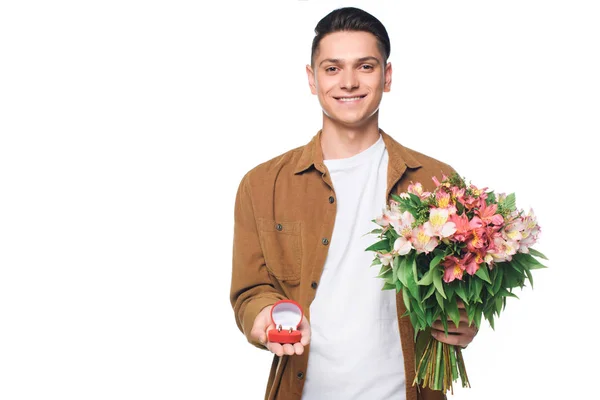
x: 281, y: 242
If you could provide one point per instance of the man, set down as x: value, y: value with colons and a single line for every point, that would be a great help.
x: 300, y: 221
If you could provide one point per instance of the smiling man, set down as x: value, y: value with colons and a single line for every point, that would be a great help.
x: 299, y: 233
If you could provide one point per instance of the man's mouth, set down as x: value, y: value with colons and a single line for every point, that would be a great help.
x: 349, y: 99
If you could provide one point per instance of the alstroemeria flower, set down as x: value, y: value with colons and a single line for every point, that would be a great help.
x: 402, y: 246
x: 444, y: 200
x: 438, y: 224
x: 403, y: 225
x: 386, y: 258
x: 422, y: 242
x: 488, y: 213
x: 453, y: 269
x: 389, y: 216
x: 470, y: 261
x: 417, y: 189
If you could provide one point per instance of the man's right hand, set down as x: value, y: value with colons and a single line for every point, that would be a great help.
x: 263, y: 324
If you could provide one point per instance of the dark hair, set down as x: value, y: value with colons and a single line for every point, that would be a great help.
x: 351, y: 19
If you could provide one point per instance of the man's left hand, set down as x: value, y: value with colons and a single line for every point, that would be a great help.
x: 461, y: 336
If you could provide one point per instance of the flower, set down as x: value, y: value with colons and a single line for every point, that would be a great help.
x: 422, y: 242
x: 459, y: 242
x: 438, y: 224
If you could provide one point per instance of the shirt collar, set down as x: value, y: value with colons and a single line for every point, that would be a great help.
x: 312, y: 154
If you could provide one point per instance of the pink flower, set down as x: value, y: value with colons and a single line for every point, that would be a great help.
x: 386, y: 258
x: 470, y: 262
x: 402, y: 246
x: 403, y: 224
x: 438, y: 224
x: 488, y: 213
x: 417, y: 189
x: 422, y: 242
x: 453, y: 269
x: 444, y: 200
x: 389, y: 216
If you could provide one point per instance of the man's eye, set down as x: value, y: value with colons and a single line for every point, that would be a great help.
x: 329, y: 69
x: 368, y: 66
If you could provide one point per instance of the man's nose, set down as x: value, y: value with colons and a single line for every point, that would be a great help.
x: 349, y: 79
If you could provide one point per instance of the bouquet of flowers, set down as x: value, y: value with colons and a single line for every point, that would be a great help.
x: 457, y: 243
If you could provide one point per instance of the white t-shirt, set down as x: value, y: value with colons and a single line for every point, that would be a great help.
x: 355, y: 350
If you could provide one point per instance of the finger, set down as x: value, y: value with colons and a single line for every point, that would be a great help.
x: 288, y: 349
x: 304, y: 329
x: 451, y: 327
x: 463, y: 327
x: 298, y: 348
x: 463, y: 317
x: 452, y: 339
x: 275, y: 348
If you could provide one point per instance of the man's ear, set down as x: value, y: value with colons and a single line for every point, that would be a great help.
x: 311, y: 79
x: 388, y: 77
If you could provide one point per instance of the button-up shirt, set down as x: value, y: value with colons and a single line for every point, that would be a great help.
x: 283, y: 220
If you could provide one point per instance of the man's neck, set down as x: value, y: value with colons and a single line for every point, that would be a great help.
x: 343, y: 142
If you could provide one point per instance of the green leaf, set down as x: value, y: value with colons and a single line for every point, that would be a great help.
x: 411, y: 281
x: 498, y: 304
x: 378, y: 246
x: 471, y: 313
x: 483, y: 273
x: 439, y: 299
x: 376, y: 261
x: 511, y: 202
x: 437, y: 282
x: 436, y: 261
x: 460, y: 208
x: 498, y: 279
x: 388, y: 286
x: 477, y: 287
x: 460, y: 291
x: 387, y: 274
x: 429, y: 292
x: 396, y: 197
x: 537, y: 253
x: 398, y: 270
x: 528, y: 261
x: 529, y: 277
x: 414, y: 199
x: 413, y: 263
x: 453, y: 313
x: 478, y: 315
x: 505, y: 293
x: 427, y: 279
x: 374, y: 231
x: 450, y: 290
x: 406, y: 298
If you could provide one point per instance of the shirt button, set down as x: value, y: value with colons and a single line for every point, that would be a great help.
x: 331, y: 199
x: 278, y: 227
x: 300, y: 375
x: 314, y: 285
x: 325, y: 241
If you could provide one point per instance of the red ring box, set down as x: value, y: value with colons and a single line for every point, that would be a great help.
x: 286, y: 316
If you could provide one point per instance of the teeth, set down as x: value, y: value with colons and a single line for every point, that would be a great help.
x: 350, y: 98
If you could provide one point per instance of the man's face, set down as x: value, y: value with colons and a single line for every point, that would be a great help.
x: 349, y: 77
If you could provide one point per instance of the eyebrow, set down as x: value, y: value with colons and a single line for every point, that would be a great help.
x: 340, y: 60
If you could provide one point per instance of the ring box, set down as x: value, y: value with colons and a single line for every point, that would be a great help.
x: 286, y: 316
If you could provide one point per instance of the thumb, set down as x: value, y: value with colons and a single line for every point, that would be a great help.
x: 304, y: 329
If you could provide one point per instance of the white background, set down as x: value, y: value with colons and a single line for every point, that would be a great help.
x: 126, y: 126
